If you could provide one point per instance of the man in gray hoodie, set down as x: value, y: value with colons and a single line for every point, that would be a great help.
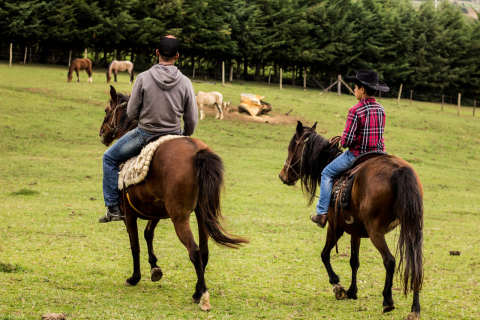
x: 160, y: 96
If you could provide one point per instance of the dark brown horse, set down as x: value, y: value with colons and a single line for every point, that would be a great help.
x: 385, y: 189
x: 80, y: 64
x: 184, y: 176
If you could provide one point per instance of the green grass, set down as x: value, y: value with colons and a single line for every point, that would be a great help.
x: 51, y: 198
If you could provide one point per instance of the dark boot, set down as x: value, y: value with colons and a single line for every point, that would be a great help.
x: 113, y: 214
x: 320, y: 219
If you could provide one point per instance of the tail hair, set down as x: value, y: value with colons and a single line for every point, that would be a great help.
x: 210, y: 181
x: 408, y: 208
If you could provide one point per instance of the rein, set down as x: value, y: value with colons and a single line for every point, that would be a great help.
x: 115, y: 126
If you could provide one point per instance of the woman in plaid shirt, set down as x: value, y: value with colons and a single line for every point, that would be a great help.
x: 363, y: 133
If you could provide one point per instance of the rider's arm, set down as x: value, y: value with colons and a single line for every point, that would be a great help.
x: 190, y: 115
x: 136, y: 100
x: 348, y: 136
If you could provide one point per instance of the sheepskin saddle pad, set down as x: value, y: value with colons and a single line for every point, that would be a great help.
x: 135, y: 170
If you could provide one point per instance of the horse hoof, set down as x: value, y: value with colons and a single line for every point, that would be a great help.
x: 388, y: 308
x: 413, y: 316
x: 205, y: 302
x: 340, y: 292
x: 194, y: 300
x: 156, y: 274
x: 126, y: 284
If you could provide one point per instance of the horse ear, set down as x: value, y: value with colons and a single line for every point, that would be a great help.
x: 314, y: 126
x: 299, y: 128
x: 113, y: 95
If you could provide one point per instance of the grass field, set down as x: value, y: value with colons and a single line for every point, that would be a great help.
x: 55, y: 257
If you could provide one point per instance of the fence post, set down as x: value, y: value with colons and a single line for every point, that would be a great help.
x: 411, y: 96
x: 85, y: 53
x: 25, y: 58
x: 70, y: 58
x: 280, y: 78
x: 459, y: 100
x: 231, y: 72
x: 305, y: 78
x: 193, y: 75
x: 339, y: 88
x: 269, y: 74
x: 11, y: 46
x: 399, y: 94
x: 223, y: 72
x: 474, y: 105
x: 442, y: 101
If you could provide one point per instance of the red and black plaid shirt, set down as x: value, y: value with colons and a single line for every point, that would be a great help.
x: 365, y: 126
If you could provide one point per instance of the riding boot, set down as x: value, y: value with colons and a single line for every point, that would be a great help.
x: 320, y: 219
x: 114, y: 213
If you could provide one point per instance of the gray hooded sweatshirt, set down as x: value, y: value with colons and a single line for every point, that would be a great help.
x: 159, y: 98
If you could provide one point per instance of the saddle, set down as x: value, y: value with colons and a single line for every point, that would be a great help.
x: 342, y: 188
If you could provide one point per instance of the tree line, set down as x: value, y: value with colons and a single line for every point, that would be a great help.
x: 426, y: 48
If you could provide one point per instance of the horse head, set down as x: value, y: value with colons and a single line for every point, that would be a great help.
x: 116, y: 122
x: 291, y: 170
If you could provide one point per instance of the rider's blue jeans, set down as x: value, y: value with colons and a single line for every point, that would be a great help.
x: 338, y: 166
x: 125, y: 148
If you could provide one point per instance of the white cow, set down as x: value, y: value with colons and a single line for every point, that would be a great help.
x: 210, y: 99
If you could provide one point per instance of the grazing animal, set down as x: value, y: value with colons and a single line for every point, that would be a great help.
x: 385, y: 189
x: 210, y: 99
x: 80, y: 64
x: 115, y: 66
x: 184, y: 176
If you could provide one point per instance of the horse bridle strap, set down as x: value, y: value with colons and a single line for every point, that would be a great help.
x: 288, y: 161
x: 113, y: 114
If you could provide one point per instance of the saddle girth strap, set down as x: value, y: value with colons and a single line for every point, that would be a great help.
x: 138, y: 211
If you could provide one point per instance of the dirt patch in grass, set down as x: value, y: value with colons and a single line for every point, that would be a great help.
x: 42, y: 90
x: 11, y: 268
x: 271, y: 118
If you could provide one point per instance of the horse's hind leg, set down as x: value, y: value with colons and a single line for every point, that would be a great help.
x: 379, y: 242
x: 415, y: 313
x: 203, y: 236
x: 354, y: 264
x: 155, y: 272
x: 131, y: 223
x: 89, y: 73
x: 340, y: 292
x: 184, y: 233
x: 131, y: 76
x: 115, y: 75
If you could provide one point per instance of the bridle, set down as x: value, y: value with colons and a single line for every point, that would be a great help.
x: 114, y: 125
x: 288, y: 163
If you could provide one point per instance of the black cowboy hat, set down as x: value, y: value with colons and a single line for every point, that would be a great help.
x: 369, y: 79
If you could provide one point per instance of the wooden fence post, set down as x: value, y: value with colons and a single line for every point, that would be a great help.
x: 474, y: 105
x: 443, y: 99
x: 399, y: 94
x: 193, y: 75
x: 305, y: 78
x: 280, y: 78
x: 459, y: 101
x: 70, y: 58
x: 11, y: 46
x: 223, y: 72
x: 25, y: 58
x: 339, y: 88
x: 231, y: 72
x: 269, y: 75
x: 411, y: 96
x: 85, y: 53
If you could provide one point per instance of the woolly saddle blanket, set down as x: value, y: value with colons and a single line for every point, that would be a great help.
x: 135, y: 169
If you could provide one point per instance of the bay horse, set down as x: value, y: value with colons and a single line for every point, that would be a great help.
x: 386, y: 188
x: 80, y: 64
x: 184, y: 176
x: 115, y: 66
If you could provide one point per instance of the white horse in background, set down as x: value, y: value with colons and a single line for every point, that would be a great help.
x: 210, y: 99
x: 115, y: 66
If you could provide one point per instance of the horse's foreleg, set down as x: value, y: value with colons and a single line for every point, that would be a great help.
x: 131, y: 223
x: 78, y: 75
x: 131, y: 76
x: 155, y: 272
x: 202, y: 114
x: 355, y: 264
x: 333, y: 278
x: 184, y: 233
x: 378, y: 240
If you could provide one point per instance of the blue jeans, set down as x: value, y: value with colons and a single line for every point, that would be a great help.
x: 332, y: 171
x: 125, y: 148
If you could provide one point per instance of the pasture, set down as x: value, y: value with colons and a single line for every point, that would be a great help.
x: 55, y: 257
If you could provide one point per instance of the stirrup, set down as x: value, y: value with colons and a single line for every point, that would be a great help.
x: 111, y: 217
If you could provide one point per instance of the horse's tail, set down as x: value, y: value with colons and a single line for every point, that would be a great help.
x: 132, y: 75
x: 108, y: 71
x: 408, y: 208
x: 210, y: 182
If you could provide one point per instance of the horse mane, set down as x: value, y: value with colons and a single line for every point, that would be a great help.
x: 317, y: 154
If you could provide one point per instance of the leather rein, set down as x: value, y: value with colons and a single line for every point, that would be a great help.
x: 116, y: 126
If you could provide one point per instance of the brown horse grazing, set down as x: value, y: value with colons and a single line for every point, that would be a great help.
x: 184, y: 176
x: 80, y: 64
x: 385, y: 189
x: 115, y: 66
